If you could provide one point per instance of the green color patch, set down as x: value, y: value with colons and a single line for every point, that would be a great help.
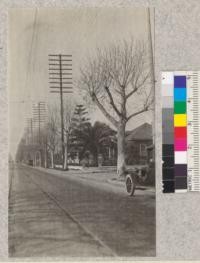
x: 180, y: 107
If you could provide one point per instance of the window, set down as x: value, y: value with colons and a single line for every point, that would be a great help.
x: 143, y: 150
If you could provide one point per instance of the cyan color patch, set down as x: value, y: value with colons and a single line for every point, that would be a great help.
x: 180, y: 81
x: 180, y: 94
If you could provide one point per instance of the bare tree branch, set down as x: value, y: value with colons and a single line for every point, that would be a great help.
x: 137, y: 87
x: 103, y: 110
x: 137, y: 113
x: 115, y: 75
x: 112, y: 101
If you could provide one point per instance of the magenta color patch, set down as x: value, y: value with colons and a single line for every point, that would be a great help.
x: 180, y: 144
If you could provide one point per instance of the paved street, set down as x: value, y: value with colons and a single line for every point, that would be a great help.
x: 64, y: 215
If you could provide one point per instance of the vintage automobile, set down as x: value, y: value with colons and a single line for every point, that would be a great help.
x: 143, y: 175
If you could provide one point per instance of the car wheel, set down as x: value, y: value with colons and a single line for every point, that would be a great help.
x: 130, y: 184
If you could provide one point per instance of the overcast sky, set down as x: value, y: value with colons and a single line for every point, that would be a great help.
x: 35, y: 34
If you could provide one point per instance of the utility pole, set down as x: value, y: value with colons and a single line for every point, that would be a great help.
x: 39, y: 116
x: 60, y: 72
x: 151, y: 44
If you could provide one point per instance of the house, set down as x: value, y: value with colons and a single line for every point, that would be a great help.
x: 137, y: 143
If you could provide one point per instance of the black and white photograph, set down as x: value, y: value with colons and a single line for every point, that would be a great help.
x: 81, y: 132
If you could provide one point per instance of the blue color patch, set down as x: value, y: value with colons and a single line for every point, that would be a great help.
x: 179, y: 94
x: 179, y: 81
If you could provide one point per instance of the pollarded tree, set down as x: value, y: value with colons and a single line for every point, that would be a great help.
x: 52, y: 132
x: 68, y: 117
x: 53, y: 129
x: 119, y: 80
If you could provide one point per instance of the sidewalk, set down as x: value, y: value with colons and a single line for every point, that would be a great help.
x: 41, y: 227
x: 104, y: 175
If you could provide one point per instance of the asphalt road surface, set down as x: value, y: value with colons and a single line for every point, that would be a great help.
x: 52, y: 215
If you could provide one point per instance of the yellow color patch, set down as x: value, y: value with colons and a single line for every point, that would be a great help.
x: 180, y: 120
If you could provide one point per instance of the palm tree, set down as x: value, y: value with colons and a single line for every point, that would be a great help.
x: 94, y: 138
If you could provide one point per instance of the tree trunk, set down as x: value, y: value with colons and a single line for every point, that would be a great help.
x: 65, y: 163
x: 52, y: 159
x: 95, y: 156
x: 45, y: 157
x: 121, y: 165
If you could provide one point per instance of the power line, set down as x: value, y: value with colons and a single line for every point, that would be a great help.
x: 31, y: 46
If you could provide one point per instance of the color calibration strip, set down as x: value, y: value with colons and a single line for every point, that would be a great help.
x: 180, y: 131
x: 168, y: 132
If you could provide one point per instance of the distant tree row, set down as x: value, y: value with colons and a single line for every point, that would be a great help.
x: 82, y: 139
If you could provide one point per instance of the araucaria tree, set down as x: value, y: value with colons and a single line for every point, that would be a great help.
x: 119, y: 80
x: 80, y: 122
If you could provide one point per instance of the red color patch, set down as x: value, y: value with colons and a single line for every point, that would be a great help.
x: 180, y: 132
